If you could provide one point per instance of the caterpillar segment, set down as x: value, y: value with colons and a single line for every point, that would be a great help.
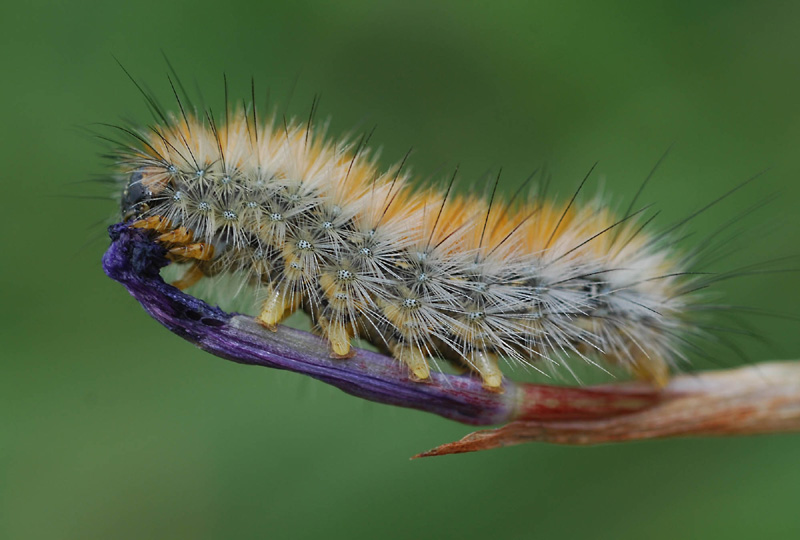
x: 421, y: 274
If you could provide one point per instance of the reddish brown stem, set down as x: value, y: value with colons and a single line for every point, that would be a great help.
x: 553, y: 403
x: 764, y: 398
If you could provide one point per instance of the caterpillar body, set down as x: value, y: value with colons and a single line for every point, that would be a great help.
x: 421, y: 273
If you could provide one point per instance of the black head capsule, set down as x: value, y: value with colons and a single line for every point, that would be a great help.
x: 135, y: 197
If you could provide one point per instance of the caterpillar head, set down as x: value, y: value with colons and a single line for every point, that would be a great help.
x: 142, y: 189
x: 135, y: 197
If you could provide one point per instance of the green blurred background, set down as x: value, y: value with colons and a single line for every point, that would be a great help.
x: 110, y: 427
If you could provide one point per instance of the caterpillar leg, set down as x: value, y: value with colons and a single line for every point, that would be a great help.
x: 284, y: 297
x: 181, y: 235
x: 200, y: 251
x: 192, y: 276
x: 155, y: 223
x: 339, y: 334
x: 335, y: 320
x: 652, y: 370
x: 415, y: 359
x: 280, y: 303
x: 485, y: 363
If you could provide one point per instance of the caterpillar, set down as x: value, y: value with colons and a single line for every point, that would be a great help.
x: 306, y: 222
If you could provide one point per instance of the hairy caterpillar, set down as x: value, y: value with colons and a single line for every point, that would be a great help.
x: 421, y: 273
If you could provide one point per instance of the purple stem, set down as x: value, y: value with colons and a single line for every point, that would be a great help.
x: 134, y: 260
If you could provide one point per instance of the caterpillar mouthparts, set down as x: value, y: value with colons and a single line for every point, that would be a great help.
x: 421, y: 273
